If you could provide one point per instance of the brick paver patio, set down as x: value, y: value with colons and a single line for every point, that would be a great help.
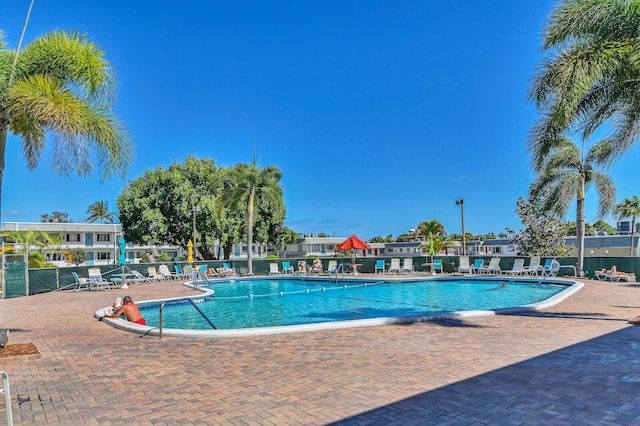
x: 576, y: 363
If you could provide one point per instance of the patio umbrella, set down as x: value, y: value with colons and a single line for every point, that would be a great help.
x: 189, y: 252
x: 122, y: 260
x: 353, y: 243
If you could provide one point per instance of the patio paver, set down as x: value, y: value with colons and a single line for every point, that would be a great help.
x: 575, y: 363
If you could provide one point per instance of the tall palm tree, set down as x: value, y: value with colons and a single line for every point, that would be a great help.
x: 591, y: 74
x: 61, y: 85
x: 565, y: 174
x: 629, y: 207
x: 430, y: 227
x: 253, y: 184
x: 99, y: 210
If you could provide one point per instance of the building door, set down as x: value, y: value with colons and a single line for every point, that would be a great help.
x: 88, y: 239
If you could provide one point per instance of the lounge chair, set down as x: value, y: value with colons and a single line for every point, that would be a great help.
x: 80, y: 282
x: 614, y: 275
x: 534, y: 266
x: 96, y: 282
x: 407, y: 265
x: 226, y: 270
x: 273, y: 269
x: 139, y: 278
x: 395, y: 266
x: 287, y: 268
x: 464, y: 265
x: 493, y: 267
x: 437, y: 265
x: 517, y: 269
x: 477, y: 267
x: 166, y: 274
x: 302, y: 268
x: 379, y: 266
x: 332, y: 267
x: 153, y: 275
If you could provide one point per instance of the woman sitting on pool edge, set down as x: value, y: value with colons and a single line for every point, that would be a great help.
x: 130, y: 310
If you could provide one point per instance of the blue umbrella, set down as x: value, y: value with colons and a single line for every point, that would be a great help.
x: 122, y: 260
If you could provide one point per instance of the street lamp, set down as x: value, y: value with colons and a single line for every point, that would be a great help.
x: 460, y: 203
x: 195, y: 210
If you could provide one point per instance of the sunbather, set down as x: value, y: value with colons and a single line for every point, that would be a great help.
x: 614, y: 272
x: 302, y: 266
x: 316, y: 266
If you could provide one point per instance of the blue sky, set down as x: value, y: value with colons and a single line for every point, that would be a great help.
x: 380, y: 114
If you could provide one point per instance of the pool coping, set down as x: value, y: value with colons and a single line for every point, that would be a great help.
x: 573, y: 286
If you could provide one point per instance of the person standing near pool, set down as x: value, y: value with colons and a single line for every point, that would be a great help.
x: 130, y: 311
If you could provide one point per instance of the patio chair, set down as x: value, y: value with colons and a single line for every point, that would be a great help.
x: 166, y: 274
x: 534, y: 266
x: 437, y: 265
x: 229, y: 271
x: 332, y: 267
x: 273, y: 269
x: 287, y: 268
x: 153, y: 275
x: 395, y: 266
x: 464, y: 265
x: 138, y: 277
x: 96, y: 282
x: 407, y: 265
x: 517, y: 269
x: 477, y: 267
x: 493, y: 267
x: 80, y: 282
x: 379, y: 266
x: 302, y: 268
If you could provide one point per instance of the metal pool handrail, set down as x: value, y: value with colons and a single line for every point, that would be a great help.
x: 7, y: 396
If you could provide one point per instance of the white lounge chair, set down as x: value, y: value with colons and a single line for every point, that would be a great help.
x: 395, y: 266
x: 493, y: 267
x: 96, y: 282
x: 518, y: 268
x: 166, y: 274
x: 464, y: 265
x: 152, y: 274
x: 273, y: 269
x: 534, y: 266
x: 407, y: 265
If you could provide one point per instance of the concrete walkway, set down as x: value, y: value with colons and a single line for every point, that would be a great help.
x: 576, y: 363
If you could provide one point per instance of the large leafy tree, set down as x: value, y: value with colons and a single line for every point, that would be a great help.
x: 543, y: 233
x: 99, y: 211
x: 629, y: 207
x: 253, y: 187
x: 158, y: 207
x: 60, y: 85
x: 565, y: 174
x: 591, y: 73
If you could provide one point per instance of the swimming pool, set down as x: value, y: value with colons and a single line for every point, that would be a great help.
x: 274, y: 305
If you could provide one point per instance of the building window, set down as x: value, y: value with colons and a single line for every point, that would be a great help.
x: 72, y: 238
x: 103, y: 255
x: 103, y: 237
x: 497, y: 250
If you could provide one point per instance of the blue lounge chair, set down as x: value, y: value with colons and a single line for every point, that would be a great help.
x: 379, y: 266
x: 437, y: 265
x: 287, y: 268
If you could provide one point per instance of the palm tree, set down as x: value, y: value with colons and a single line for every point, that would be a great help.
x: 100, y: 211
x: 564, y: 176
x: 629, y: 208
x: 591, y: 74
x: 430, y: 227
x: 60, y: 84
x: 253, y: 184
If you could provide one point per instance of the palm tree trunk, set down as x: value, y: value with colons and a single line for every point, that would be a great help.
x: 4, y: 129
x: 633, y: 229
x: 580, y: 233
x: 252, y: 195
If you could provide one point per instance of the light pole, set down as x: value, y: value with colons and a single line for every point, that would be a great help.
x: 195, y: 251
x: 460, y: 203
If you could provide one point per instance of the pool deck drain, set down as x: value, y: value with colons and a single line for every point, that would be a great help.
x: 574, y: 363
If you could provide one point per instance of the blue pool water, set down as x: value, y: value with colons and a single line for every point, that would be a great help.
x: 253, y: 303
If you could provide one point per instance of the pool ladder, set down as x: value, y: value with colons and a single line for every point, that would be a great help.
x: 160, y: 326
x: 336, y: 270
x: 7, y: 396
x: 198, y: 277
